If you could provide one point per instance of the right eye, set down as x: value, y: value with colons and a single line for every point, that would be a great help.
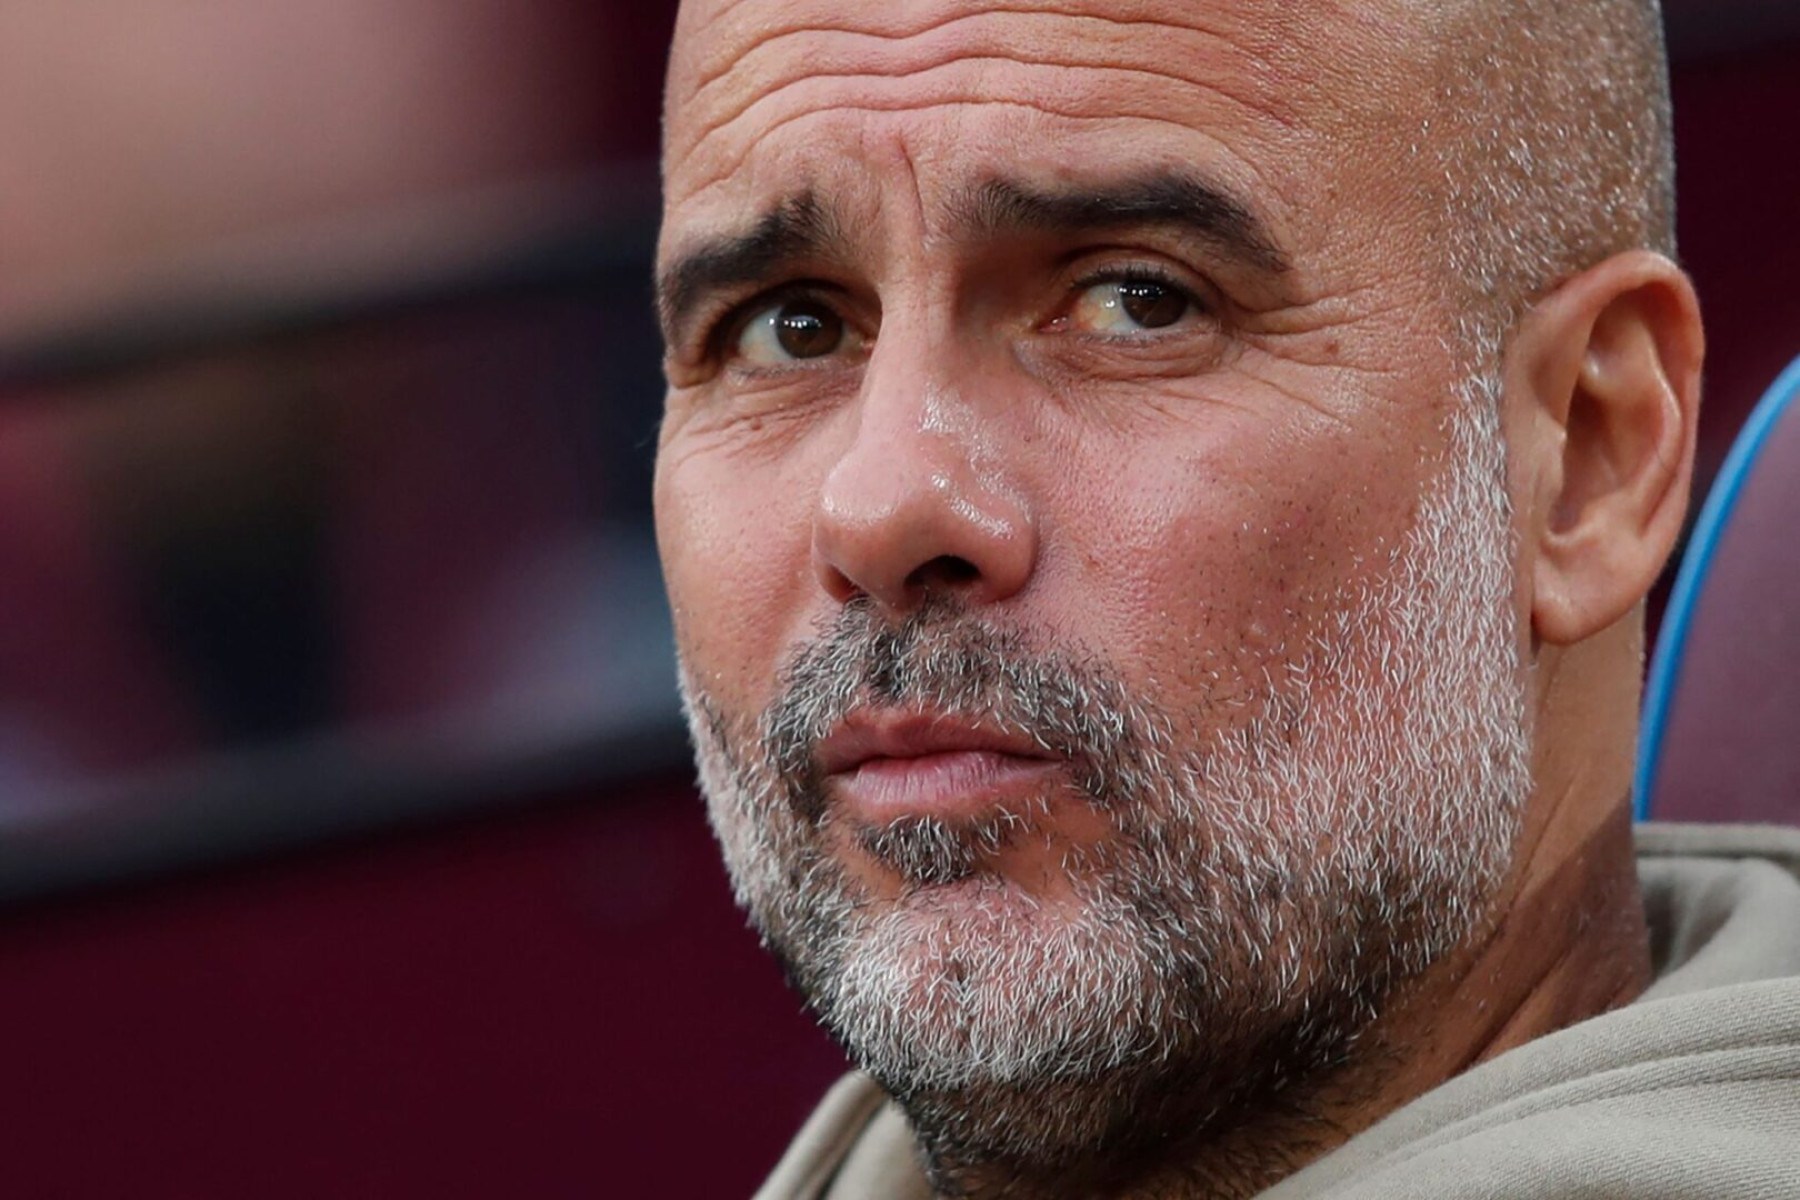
x: 791, y: 330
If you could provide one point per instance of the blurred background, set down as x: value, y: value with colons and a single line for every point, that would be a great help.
x: 348, y: 844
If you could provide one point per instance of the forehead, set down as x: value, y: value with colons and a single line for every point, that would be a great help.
x: 770, y: 97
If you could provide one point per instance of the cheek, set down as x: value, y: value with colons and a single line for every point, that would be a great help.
x: 1213, y: 571
x: 736, y: 554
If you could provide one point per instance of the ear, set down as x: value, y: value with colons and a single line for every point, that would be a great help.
x: 1608, y: 373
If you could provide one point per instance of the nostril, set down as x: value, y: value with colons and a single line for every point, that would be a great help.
x: 946, y: 570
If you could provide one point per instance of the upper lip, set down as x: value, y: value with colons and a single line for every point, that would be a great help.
x: 872, y: 735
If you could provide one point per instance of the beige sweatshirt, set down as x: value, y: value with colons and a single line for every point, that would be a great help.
x: 1691, y: 1093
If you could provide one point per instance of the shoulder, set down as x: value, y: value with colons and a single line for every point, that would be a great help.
x: 856, y: 1143
x: 1693, y: 1091
x: 1778, y: 844
x: 1722, y: 903
x: 1695, y: 1096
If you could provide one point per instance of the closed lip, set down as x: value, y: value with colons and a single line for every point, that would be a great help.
x: 868, y: 737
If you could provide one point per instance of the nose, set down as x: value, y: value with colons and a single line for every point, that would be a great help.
x: 924, y: 501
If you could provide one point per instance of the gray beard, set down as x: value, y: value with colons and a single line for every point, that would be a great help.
x: 1272, y: 877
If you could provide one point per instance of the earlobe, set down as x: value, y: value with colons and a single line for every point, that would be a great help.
x: 1613, y: 365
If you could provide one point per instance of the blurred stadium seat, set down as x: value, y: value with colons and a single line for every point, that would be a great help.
x: 1721, y: 733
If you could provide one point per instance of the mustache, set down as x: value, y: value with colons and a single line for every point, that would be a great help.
x: 944, y: 659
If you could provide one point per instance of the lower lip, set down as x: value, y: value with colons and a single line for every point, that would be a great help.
x: 959, y: 784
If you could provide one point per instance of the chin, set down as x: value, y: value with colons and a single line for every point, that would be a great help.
x: 981, y: 982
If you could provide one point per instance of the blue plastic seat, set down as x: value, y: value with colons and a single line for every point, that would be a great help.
x: 1721, y: 728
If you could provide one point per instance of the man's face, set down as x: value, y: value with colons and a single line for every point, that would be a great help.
x: 1087, y: 535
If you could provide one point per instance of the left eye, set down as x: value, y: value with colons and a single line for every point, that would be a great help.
x: 1130, y: 306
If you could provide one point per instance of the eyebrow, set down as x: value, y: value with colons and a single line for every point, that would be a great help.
x: 1170, y: 198
x: 799, y: 227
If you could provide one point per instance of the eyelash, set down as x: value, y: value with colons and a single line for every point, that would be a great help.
x: 724, y: 329
x: 1141, y: 273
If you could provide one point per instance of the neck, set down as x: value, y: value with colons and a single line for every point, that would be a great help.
x: 1570, y: 944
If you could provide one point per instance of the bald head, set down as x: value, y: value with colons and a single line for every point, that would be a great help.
x: 1553, y: 132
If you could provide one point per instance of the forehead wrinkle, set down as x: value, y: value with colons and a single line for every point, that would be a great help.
x: 994, y: 41
x: 1048, y: 101
x: 804, y: 74
x: 770, y: 39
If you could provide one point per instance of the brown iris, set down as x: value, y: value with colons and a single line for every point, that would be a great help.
x: 806, y: 329
x: 1152, y: 305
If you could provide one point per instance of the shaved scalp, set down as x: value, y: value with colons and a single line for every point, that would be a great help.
x: 1559, y: 150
